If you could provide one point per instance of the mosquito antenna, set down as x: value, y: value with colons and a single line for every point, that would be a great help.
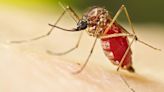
x: 148, y: 45
x: 70, y: 30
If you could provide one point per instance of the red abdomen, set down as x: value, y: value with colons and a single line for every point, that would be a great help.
x: 114, y: 48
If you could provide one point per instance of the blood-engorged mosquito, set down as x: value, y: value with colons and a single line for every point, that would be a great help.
x: 98, y: 23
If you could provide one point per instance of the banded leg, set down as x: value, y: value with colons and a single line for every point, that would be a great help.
x: 84, y: 65
x: 71, y: 13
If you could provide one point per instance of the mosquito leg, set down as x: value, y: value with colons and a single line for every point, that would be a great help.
x: 118, y: 35
x: 68, y: 9
x: 128, y: 17
x: 71, y: 13
x: 42, y: 36
x: 115, y: 35
x: 126, y: 83
x: 123, y: 8
x: 134, y: 38
x: 116, y: 16
x: 129, y: 20
x: 121, y: 62
x: 114, y: 19
x: 84, y: 65
x: 68, y: 51
x: 148, y: 45
x: 126, y: 52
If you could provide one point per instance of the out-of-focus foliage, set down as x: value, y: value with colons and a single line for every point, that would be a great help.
x: 140, y: 10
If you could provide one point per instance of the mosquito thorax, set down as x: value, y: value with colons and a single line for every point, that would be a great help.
x: 97, y: 20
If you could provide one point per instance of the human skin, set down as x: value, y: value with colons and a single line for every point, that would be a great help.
x: 26, y: 71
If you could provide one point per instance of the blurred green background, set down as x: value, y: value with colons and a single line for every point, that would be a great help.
x: 141, y: 11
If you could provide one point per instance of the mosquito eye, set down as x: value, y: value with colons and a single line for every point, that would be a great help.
x: 82, y: 24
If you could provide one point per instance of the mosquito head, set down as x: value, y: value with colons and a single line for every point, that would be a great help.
x: 96, y: 19
x: 82, y: 24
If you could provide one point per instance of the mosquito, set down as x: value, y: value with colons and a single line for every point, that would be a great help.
x: 97, y: 22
